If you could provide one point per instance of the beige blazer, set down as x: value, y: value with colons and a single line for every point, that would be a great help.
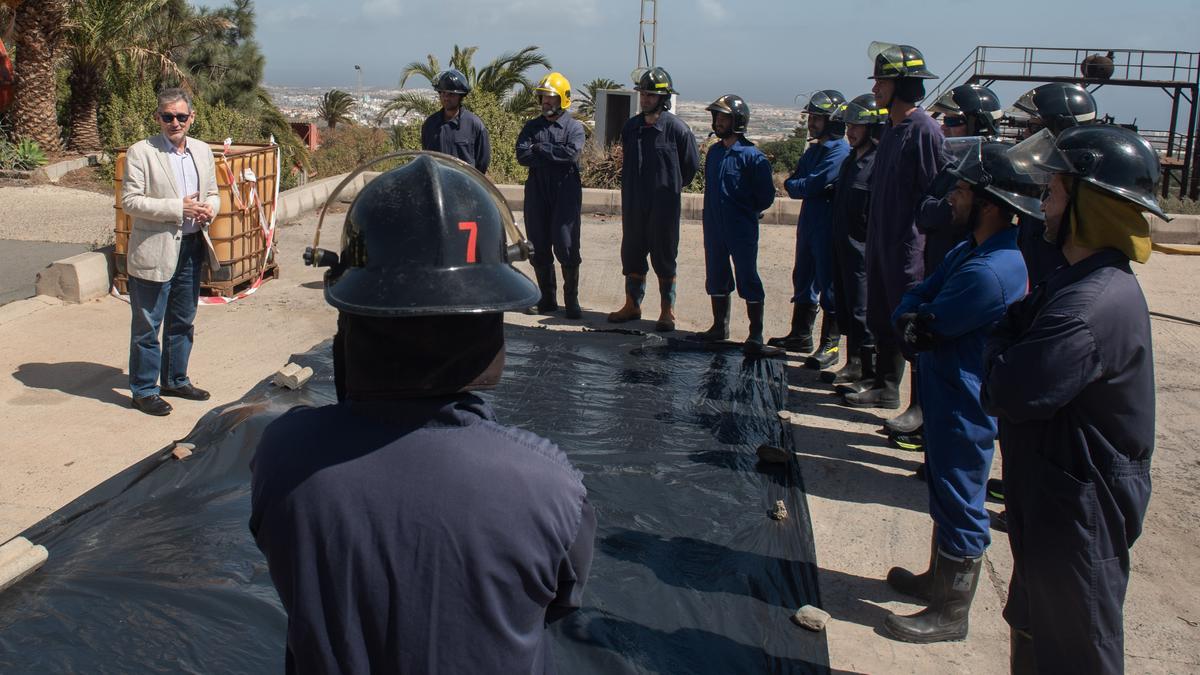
x: 150, y: 195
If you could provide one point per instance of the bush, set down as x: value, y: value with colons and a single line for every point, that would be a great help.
x: 24, y: 155
x: 128, y: 116
x: 503, y: 128
x: 785, y: 154
x: 602, y: 168
x: 345, y: 148
x: 214, y: 123
x: 1186, y: 207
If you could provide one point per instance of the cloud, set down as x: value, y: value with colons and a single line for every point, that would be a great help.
x: 713, y: 10
x: 383, y: 8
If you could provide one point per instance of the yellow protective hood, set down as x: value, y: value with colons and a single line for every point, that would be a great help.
x: 1102, y: 220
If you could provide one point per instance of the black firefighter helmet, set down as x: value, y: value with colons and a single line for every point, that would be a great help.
x: 826, y: 102
x: 451, y: 82
x: 894, y: 61
x: 734, y: 106
x: 426, y: 239
x: 864, y: 110
x: 1111, y: 158
x: 993, y: 174
x: 977, y: 104
x: 1058, y: 105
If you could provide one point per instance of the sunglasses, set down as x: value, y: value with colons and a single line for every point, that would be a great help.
x: 178, y: 117
x: 953, y: 121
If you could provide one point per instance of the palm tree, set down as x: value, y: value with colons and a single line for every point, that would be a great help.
x: 587, y: 97
x: 102, y: 35
x: 335, y: 106
x: 37, y: 28
x: 504, y: 77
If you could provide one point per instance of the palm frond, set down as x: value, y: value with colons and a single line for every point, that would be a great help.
x: 409, y: 101
x: 428, y: 70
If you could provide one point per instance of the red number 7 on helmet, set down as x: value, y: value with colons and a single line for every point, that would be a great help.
x: 474, y: 230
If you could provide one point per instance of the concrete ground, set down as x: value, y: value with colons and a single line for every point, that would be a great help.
x: 68, y: 426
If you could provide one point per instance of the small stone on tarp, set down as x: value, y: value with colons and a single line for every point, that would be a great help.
x: 812, y: 618
x: 292, y: 376
x: 183, y: 450
x: 780, y: 510
x: 773, y: 455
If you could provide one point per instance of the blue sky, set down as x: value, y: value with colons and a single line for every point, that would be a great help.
x: 769, y: 51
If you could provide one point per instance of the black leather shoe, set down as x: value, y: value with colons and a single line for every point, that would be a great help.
x: 187, y: 391
x: 152, y: 405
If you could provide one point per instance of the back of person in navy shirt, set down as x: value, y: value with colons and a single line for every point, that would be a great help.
x: 454, y: 130
x: 405, y: 528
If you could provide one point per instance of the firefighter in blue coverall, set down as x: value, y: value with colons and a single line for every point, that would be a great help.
x: 1070, y: 375
x: 967, y: 111
x: 660, y: 159
x: 908, y: 159
x: 454, y: 130
x: 405, y: 529
x: 945, y: 321
x: 550, y: 146
x: 812, y: 273
x: 737, y: 188
x: 865, y: 122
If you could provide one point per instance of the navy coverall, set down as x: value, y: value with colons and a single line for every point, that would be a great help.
x: 659, y: 160
x: 851, y: 197
x: 463, y: 137
x: 1070, y: 375
x: 418, y: 536
x: 737, y: 187
x: 812, y: 181
x: 553, y: 191
x: 965, y: 296
x: 908, y: 159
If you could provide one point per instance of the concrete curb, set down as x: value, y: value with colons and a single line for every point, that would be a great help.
x: 1179, y: 230
x: 54, y: 172
x: 18, y: 559
x: 77, y: 279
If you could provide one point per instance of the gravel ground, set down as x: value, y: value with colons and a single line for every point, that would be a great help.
x: 52, y: 213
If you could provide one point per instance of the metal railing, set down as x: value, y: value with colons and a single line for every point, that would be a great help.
x: 1166, y: 68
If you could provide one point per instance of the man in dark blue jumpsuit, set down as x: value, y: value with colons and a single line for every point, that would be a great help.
x: 550, y: 147
x: 967, y: 111
x: 405, y: 529
x: 1070, y: 375
x: 865, y: 122
x: 737, y: 188
x: 946, y: 320
x: 454, y: 130
x: 660, y: 159
x: 908, y: 158
x: 812, y: 272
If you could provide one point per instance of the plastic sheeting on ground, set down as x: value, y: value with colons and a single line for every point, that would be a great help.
x: 155, y: 570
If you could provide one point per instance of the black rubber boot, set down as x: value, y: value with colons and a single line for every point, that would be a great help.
x: 918, y: 586
x: 826, y: 354
x: 548, y: 285
x: 995, y: 489
x: 946, y: 617
x: 666, y: 304
x: 1021, y: 657
x: 720, y: 327
x: 914, y: 442
x: 571, y: 291
x: 910, y: 420
x: 866, y: 355
x: 800, y: 338
x: 885, y: 393
x: 754, y: 341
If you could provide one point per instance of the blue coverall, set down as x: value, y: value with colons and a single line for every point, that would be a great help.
x: 1070, y: 375
x: 464, y: 137
x: 553, y: 191
x: 907, y: 160
x: 418, y: 536
x: 812, y: 181
x: 737, y: 188
x: 659, y: 160
x: 965, y: 297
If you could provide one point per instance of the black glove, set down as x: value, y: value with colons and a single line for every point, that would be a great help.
x: 915, y: 332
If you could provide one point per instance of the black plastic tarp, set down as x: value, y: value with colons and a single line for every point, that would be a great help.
x: 155, y: 570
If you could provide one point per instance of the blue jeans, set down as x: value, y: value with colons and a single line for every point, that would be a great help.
x: 170, y: 305
x: 812, y: 276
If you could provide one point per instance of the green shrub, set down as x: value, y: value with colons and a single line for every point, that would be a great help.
x: 785, y: 154
x: 215, y: 123
x: 24, y: 155
x: 503, y: 128
x: 345, y: 148
x: 127, y: 116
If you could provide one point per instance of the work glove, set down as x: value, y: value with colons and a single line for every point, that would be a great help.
x: 915, y: 332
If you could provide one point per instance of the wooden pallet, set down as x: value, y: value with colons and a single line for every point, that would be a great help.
x: 222, y: 289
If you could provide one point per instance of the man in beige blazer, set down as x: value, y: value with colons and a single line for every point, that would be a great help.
x: 170, y: 192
